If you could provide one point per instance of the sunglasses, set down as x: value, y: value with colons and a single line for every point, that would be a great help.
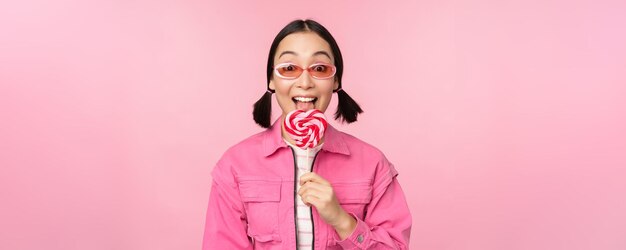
x: 319, y: 71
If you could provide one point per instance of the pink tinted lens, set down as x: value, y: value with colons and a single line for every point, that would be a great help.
x: 322, y: 70
x: 289, y: 70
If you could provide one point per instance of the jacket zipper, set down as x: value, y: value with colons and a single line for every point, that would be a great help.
x: 295, y: 194
x: 311, y: 208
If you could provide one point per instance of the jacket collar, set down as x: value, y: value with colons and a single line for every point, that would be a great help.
x: 272, y: 139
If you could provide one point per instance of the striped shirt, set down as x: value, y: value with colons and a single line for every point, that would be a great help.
x: 304, y: 224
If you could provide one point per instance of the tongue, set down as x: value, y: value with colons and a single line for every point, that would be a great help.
x: 304, y: 106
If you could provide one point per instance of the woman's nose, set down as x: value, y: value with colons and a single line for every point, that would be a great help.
x: 305, y: 81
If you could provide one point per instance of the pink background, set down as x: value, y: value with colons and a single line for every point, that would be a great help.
x: 505, y: 119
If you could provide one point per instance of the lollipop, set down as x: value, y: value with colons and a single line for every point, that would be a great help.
x: 305, y: 127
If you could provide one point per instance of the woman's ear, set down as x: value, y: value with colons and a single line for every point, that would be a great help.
x: 271, y: 86
x: 336, y: 85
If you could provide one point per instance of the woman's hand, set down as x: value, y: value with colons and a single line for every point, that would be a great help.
x: 318, y: 192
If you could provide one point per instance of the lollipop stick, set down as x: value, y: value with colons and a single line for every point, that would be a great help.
x: 307, y: 156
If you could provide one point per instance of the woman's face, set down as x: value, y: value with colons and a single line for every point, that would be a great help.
x: 303, y: 49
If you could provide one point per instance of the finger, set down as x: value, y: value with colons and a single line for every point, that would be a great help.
x: 310, y: 189
x: 307, y: 189
x: 318, y: 202
x: 309, y: 199
x: 316, y: 187
x: 322, y: 196
x: 311, y: 176
x: 307, y: 177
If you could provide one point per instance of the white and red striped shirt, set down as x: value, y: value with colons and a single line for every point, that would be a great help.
x: 304, y: 223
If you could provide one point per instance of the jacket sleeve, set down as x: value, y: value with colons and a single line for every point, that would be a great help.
x: 225, y: 226
x: 387, y: 222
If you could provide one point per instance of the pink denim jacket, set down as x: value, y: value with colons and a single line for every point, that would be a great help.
x: 252, y: 200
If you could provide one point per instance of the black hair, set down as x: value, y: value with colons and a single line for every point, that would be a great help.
x: 347, y: 108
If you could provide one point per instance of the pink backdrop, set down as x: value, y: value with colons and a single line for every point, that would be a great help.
x: 505, y: 119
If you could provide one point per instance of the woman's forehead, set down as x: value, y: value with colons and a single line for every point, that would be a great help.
x: 303, y: 45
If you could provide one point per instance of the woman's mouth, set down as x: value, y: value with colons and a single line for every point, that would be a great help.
x: 304, y: 103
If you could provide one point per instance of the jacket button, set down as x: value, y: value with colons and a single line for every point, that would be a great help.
x: 359, y: 238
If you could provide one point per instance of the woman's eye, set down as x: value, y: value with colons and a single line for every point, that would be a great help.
x: 319, y: 68
x: 289, y: 68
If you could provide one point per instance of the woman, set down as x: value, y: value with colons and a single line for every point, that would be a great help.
x: 269, y: 194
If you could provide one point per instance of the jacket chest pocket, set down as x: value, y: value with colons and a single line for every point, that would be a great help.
x: 261, y: 198
x: 354, y: 196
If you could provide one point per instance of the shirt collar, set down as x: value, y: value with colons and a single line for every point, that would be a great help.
x: 333, y: 139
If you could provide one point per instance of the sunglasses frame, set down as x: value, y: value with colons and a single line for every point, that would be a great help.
x: 277, y: 66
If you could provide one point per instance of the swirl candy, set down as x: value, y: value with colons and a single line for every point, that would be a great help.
x: 305, y: 127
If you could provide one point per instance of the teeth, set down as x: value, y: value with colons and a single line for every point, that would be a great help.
x: 304, y: 99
